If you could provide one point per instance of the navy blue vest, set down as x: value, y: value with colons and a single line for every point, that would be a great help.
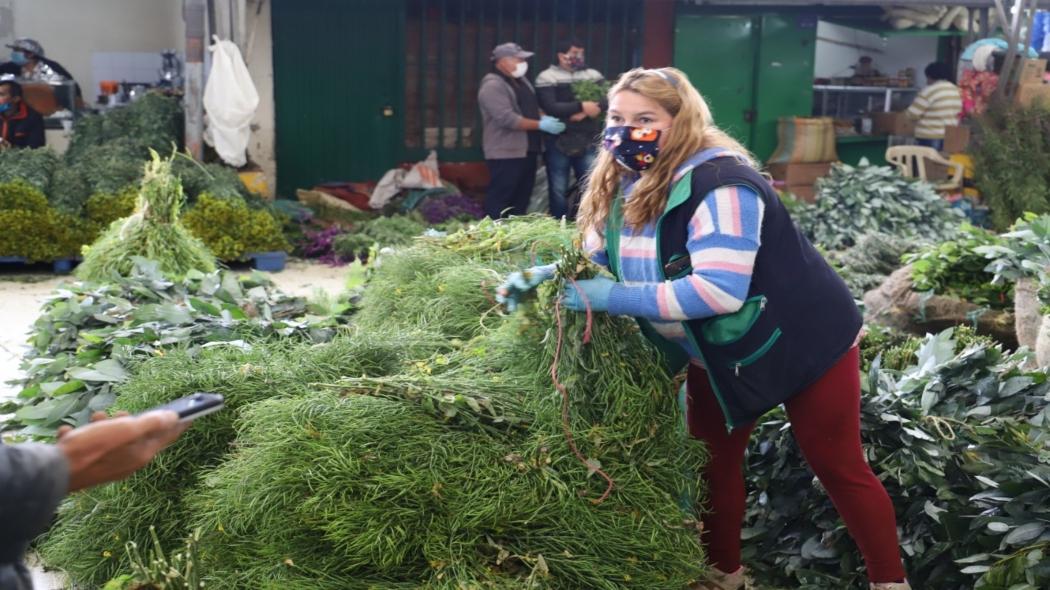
x: 798, y: 320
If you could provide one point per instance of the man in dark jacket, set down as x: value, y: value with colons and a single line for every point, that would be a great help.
x: 28, y: 63
x: 511, y: 126
x: 576, y: 148
x: 20, y: 126
x: 35, y: 477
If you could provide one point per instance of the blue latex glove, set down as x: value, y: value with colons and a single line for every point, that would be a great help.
x: 596, y: 290
x: 517, y: 284
x: 551, y: 125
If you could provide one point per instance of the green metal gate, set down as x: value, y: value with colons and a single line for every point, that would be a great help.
x: 362, y: 85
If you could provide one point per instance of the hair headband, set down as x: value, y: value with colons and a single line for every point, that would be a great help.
x: 671, y: 79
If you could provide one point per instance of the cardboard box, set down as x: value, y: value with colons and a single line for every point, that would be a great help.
x: 893, y: 124
x: 1032, y: 71
x: 804, y: 192
x: 956, y: 139
x: 1028, y: 94
x: 799, y: 174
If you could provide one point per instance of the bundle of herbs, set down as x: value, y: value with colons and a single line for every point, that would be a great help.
x: 866, y: 265
x: 543, y: 449
x: 956, y: 268
x: 232, y: 230
x: 32, y: 229
x: 1023, y: 252
x: 960, y: 438
x: 92, y: 528
x: 153, y: 232
x: 853, y: 201
x: 1011, y: 159
x: 32, y: 166
x: 89, y: 336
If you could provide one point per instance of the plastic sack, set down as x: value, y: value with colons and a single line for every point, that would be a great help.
x: 230, y: 100
x: 423, y: 174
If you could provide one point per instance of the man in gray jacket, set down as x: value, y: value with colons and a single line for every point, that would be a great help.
x: 511, y: 125
x: 35, y: 477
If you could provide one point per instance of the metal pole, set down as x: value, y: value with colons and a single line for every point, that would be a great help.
x: 193, y: 14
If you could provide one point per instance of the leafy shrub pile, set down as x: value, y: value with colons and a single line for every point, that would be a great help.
x: 1023, y: 252
x: 32, y: 229
x: 88, y: 338
x: 32, y: 166
x: 231, y: 229
x: 417, y: 452
x: 866, y: 265
x: 961, y: 439
x: 957, y: 268
x: 1011, y: 159
x: 854, y: 201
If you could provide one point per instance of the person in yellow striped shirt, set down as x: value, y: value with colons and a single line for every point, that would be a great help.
x: 936, y: 107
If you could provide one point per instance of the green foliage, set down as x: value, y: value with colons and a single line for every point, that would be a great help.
x: 33, y: 166
x: 590, y: 90
x: 154, y: 232
x: 231, y: 230
x: 393, y: 231
x: 1011, y: 158
x: 867, y: 264
x: 107, y: 168
x: 1024, y: 251
x: 32, y: 229
x: 153, y: 122
x: 214, y: 180
x: 957, y: 268
x: 88, y: 338
x: 405, y: 458
x: 853, y: 201
x: 158, y: 571
x: 102, y: 209
x: 961, y: 439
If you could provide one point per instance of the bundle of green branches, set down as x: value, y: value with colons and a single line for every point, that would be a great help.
x: 89, y: 537
x: 232, y: 230
x: 32, y: 166
x: 32, y: 229
x: 153, y: 122
x: 1011, y: 158
x: 956, y: 268
x: 105, y: 168
x: 462, y: 461
x: 867, y: 264
x: 960, y: 438
x: 853, y: 201
x: 152, y: 232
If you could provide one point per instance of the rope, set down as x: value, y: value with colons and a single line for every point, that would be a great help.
x: 566, y: 429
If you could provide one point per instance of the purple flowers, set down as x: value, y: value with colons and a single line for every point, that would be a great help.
x: 319, y: 244
x: 440, y: 209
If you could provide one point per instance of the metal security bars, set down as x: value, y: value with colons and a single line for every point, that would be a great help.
x: 447, y: 47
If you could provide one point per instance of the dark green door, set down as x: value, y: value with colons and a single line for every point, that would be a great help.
x: 338, y: 88
x: 718, y: 55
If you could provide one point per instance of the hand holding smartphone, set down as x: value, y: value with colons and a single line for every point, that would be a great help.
x: 193, y: 406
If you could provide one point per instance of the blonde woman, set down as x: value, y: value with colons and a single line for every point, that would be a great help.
x: 711, y: 265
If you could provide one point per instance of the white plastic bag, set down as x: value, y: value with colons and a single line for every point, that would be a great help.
x: 230, y: 100
x: 424, y: 174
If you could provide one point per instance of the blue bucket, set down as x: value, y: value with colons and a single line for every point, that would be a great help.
x: 269, y: 261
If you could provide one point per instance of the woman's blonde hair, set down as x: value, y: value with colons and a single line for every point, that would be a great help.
x: 691, y: 131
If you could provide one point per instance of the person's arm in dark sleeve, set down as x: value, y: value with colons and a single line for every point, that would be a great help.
x: 33, y: 480
x: 35, y: 132
x: 547, y: 98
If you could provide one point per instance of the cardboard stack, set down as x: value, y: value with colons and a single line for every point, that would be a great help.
x: 1031, y: 83
x: 800, y: 179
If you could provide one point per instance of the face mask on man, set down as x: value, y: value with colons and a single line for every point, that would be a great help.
x: 19, y: 58
x: 634, y: 148
x: 520, y: 69
x: 576, y: 63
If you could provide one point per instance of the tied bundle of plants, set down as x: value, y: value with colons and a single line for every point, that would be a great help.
x: 1011, y: 159
x: 867, y: 264
x: 153, y: 232
x: 32, y: 229
x: 960, y: 435
x: 956, y: 268
x: 32, y: 166
x: 853, y: 201
x: 232, y: 230
x: 470, y: 452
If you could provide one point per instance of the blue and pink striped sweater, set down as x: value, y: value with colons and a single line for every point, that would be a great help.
x: 724, y: 237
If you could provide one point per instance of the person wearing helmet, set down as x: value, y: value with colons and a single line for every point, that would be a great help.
x: 29, y: 64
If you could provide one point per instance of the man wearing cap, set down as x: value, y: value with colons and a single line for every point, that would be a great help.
x: 511, y: 126
x: 28, y: 63
x: 20, y: 126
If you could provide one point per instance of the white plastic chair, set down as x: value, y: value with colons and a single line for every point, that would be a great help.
x: 911, y: 160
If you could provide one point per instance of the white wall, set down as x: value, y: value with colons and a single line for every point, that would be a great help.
x: 890, y: 55
x: 72, y: 30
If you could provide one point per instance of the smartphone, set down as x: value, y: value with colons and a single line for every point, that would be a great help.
x: 194, y: 406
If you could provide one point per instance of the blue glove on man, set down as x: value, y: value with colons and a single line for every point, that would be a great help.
x: 596, y: 290
x: 551, y: 125
x: 519, y: 283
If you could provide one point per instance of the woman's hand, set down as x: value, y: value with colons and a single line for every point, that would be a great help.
x: 517, y: 284
x: 593, y: 293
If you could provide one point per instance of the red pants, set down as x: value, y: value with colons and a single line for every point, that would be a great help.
x: 825, y: 419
